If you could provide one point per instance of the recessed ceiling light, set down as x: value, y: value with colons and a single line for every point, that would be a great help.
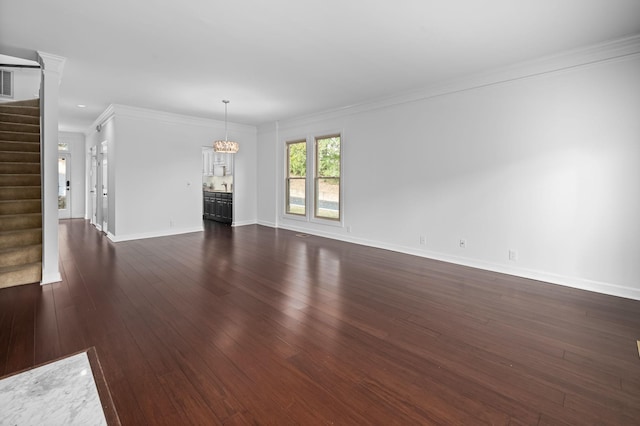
x: 81, y: 106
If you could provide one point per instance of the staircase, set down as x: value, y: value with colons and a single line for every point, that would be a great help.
x: 20, y: 194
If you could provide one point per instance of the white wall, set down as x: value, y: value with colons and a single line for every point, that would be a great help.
x: 267, y: 174
x: 155, y: 172
x: 26, y: 84
x: 76, y: 142
x: 547, y: 165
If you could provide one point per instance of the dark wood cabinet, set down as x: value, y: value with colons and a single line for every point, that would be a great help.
x: 218, y: 206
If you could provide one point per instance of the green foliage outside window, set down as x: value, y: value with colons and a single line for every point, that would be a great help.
x: 298, y: 159
x: 329, y: 156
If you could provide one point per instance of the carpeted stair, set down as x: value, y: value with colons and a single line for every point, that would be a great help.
x: 20, y: 194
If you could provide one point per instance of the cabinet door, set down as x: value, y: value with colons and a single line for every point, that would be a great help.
x: 218, y: 207
x: 225, y: 209
x: 206, y: 207
x: 211, y: 207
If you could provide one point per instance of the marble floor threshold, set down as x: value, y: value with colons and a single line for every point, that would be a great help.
x: 70, y: 391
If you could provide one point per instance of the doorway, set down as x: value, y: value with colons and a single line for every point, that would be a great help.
x: 64, y: 186
x: 105, y: 192
x: 93, y: 186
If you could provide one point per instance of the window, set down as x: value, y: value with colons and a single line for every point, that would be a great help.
x: 296, y: 177
x: 315, y: 195
x: 6, y: 83
x: 327, y: 177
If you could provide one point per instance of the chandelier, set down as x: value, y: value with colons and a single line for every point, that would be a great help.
x: 226, y: 146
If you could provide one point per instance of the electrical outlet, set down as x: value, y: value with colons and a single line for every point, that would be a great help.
x: 349, y: 228
x: 463, y: 243
x: 513, y: 255
x: 423, y: 240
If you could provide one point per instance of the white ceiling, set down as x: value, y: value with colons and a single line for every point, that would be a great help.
x: 286, y: 58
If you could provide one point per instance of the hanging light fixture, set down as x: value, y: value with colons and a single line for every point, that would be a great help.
x: 226, y: 145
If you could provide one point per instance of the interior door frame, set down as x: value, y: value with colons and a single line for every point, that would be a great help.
x: 93, y: 186
x: 103, y: 185
x: 66, y: 212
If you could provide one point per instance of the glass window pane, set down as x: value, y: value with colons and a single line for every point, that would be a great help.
x: 297, y: 153
x: 296, y: 197
x: 328, y: 152
x: 328, y: 198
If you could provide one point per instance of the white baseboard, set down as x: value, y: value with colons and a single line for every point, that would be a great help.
x: 243, y: 223
x: 551, y: 278
x: 154, y: 234
x: 269, y: 224
x: 50, y: 278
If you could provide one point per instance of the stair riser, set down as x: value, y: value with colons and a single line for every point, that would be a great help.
x: 20, y: 127
x: 16, y: 223
x: 26, y: 103
x: 19, y: 157
x: 20, y: 110
x: 20, y: 207
x: 21, y: 256
x: 19, y: 180
x: 19, y: 146
x: 19, y: 137
x: 17, y: 168
x: 17, y: 118
x: 19, y: 193
x: 27, y: 275
x: 20, y: 237
x: 25, y: 237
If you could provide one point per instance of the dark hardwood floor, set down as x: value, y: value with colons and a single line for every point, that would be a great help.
x: 253, y: 325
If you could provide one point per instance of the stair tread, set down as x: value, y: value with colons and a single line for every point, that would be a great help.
x: 19, y: 162
x: 19, y: 231
x: 20, y: 124
x: 22, y: 214
x: 16, y: 248
x: 14, y: 112
x: 19, y: 152
x: 19, y: 132
x: 18, y: 267
x: 14, y: 215
x: 17, y: 104
x: 20, y: 110
x: 33, y: 102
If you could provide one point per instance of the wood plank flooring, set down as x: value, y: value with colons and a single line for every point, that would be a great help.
x: 253, y: 325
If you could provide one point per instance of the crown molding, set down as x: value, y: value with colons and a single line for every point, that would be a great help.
x: 117, y: 110
x: 106, y: 116
x: 169, y: 117
x: 610, y: 51
x: 50, y: 62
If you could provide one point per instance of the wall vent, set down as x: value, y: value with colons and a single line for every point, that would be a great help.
x: 6, y: 83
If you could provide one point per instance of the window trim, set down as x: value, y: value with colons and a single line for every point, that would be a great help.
x: 309, y: 216
x: 317, y: 177
x: 289, y: 178
x: 10, y: 76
